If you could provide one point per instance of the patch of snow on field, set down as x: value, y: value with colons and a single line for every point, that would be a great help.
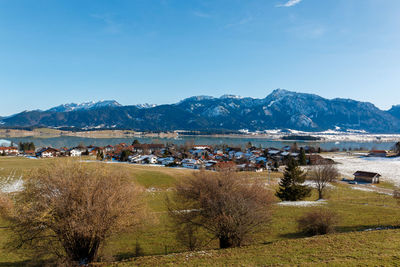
x: 389, y: 168
x: 363, y: 189
x: 302, y: 203
x: 371, y: 190
x: 12, y: 187
x: 314, y: 184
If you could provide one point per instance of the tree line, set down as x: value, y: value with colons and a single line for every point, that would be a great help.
x: 26, y: 146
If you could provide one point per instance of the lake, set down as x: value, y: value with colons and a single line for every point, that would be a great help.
x: 70, y: 141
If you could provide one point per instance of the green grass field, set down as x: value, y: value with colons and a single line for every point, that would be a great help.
x: 280, y: 243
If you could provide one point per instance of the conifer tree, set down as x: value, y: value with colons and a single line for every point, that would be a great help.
x: 135, y: 142
x: 302, y: 157
x: 290, y: 186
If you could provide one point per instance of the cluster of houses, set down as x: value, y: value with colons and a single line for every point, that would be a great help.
x: 8, y: 151
x: 193, y: 157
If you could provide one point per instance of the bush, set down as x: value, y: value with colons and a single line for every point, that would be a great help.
x: 227, y: 207
x: 318, y: 222
x: 69, y: 209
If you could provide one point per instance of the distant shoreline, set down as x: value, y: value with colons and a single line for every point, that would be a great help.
x: 49, y: 133
x: 273, y: 136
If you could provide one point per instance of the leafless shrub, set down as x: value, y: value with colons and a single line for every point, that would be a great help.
x: 70, y: 208
x: 318, y: 222
x: 226, y: 206
x: 322, y: 175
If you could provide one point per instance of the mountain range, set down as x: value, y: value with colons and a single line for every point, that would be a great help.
x: 282, y: 109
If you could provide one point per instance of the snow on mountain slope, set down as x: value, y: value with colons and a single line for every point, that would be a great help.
x: 85, y: 106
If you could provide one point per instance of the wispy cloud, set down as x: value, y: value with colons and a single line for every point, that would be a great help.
x: 201, y: 14
x: 111, y: 26
x: 289, y: 3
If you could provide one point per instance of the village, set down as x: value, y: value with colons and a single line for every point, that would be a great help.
x: 191, y: 156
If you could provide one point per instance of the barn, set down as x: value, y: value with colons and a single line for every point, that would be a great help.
x: 367, y: 177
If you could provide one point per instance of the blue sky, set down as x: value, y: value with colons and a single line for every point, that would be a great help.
x: 161, y: 51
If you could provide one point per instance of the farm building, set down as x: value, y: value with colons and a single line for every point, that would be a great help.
x: 367, y: 177
x: 378, y: 153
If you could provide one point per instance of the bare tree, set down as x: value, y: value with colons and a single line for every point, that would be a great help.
x: 322, y: 175
x: 226, y: 206
x: 70, y: 208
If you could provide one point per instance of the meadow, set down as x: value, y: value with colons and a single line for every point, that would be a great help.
x: 356, y: 241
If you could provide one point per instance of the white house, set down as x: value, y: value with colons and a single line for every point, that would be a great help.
x: 75, y: 152
x: 191, y: 163
x: 47, y: 152
x: 166, y: 161
x: 8, y: 150
x: 274, y: 152
x: 149, y: 159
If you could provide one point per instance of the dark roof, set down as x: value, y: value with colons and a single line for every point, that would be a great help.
x: 44, y: 149
x: 378, y: 151
x: 148, y: 146
x: 366, y: 174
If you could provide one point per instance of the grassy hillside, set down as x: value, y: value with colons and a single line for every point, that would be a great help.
x: 279, y: 243
x: 374, y: 248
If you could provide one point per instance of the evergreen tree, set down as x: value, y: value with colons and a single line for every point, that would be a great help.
x: 276, y: 165
x: 125, y: 155
x: 302, y: 157
x: 135, y: 142
x: 31, y: 146
x: 26, y: 146
x: 99, y: 155
x: 249, y: 145
x: 290, y: 186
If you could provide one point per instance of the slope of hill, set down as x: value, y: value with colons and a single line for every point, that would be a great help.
x: 280, y: 109
x: 395, y: 111
x: 372, y: 248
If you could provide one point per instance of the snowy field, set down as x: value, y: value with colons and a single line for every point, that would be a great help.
x: 389, y: 168
x: 302, y: 203
x: 11, y: 182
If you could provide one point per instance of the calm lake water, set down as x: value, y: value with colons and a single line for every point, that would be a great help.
x: 69, y: 141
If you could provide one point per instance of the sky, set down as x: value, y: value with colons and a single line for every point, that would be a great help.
x: 162, y: 51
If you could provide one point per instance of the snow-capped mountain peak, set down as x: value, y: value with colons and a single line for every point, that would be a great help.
x: 227, y: 96
x: 145, y: 105
x: 85, y: 106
